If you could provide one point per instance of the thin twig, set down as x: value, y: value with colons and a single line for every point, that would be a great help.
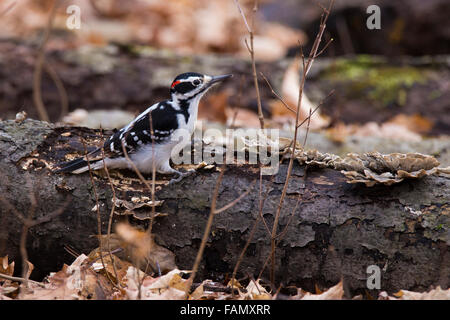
x: 152, y: 134
x: 307, y: 129
x: 136, y: 170
x: 243, y: 16
x: 262, y: 200
x: 99, y: 219
x: 113, y: 207
x: 316, y: 108
x: 19, y: 279
x: 306, y: 68
x: 8, y: 8
x: 283, y: 232
x: 280, y: 236
x: 150, y: 188
x: 260, y: 216
x: 28, y: 223
x: 276, y: 94
x: 199, y: 256
x: 251, y: 50
x: 206, y: 233
x: 60, y: 87
x: 37, y: 75
x: 232, y: 203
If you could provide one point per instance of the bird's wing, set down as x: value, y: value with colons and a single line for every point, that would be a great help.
x: 154, y: 125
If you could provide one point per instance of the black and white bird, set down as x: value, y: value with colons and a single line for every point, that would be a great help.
x: 163, y: 119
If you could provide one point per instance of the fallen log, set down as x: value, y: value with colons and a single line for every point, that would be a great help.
x: 336, y: 231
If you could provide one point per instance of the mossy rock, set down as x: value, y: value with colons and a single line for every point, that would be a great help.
x: 373, y: 78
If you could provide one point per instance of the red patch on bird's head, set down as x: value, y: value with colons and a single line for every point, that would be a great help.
x: 175, y: 83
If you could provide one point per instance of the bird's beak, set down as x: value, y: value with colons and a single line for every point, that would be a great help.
x: 219, y: 78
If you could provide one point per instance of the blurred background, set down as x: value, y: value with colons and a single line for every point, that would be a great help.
x: 391, y: 84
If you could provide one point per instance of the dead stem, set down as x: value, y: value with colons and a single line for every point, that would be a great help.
x: 206, y: 233
x: 150, y: 188
x: 99, y: 219
x: 60, y: 87
x: 253, y: 230
x: 199, y: 256
x: 276, y: 94
x: 113, y: 206
x: 251, y: 50
x: 306, y: 68
x: 307, y: 129
x: 22, y: 280
x: 8, y: 8
x: 37, y: 75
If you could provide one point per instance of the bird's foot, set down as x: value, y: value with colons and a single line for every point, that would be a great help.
x: 181, y: 175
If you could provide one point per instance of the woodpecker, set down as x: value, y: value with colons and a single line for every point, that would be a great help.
x: 149, y: 138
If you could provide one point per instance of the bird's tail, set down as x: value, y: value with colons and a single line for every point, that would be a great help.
x: 79, y: 165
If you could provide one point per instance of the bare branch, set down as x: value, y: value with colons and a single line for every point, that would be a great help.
x: 99, y: 219
x: 232, y: 203
x: 307, y: 129
x: 113, y: 207
x: 305, y: 71
x: 316, y: 108
x: 22, y: 280
x: 60, y: 87
x: 37, y: 94
x: 276, y: 94
x: 8, y: 8
x: 199, y: 256
x: 243, y: 16
x: 251, y: 50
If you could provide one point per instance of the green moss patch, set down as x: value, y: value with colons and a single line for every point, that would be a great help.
x: 372, y: 78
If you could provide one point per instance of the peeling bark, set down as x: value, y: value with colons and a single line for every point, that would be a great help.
x: 337, y: 230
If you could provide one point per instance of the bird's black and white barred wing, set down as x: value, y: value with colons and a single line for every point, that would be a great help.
x: 155, y: 125
x: 136, y: 134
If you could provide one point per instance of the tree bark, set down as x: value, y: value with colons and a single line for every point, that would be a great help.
x: 336, y: 231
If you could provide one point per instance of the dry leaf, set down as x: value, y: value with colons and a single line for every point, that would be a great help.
x: 338, y: 133
x: 435, y: 294
x: 143, y: 251
x: 168, y: 287
x: 386, y: 130
x: 120, y: 265
x: 255, y: 291
x: 415, y: 123
x: 30, y: 269
x: 212, y: 107
x: 334, y: 293
x: 105, y: 119
x: 289, y: 91
x: 5, y: 267
x: 242, y: 118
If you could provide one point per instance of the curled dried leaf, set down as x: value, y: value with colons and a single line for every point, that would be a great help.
x: 143, y: 251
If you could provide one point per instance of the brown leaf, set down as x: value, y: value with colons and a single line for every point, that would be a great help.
x: 388, y: 130
x: 6, y: 267
x: 143, y: 251
x: 289, y: 91
x: 334, y: 293
x: 120, y: 265
x: 255, y: 291
x: 30, y: 269
x: 168, y: 287
x: 213, y: 107
x: 434, y: 294
x: 415, y: 123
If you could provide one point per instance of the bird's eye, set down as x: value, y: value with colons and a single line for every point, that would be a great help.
x: 196, y: 82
